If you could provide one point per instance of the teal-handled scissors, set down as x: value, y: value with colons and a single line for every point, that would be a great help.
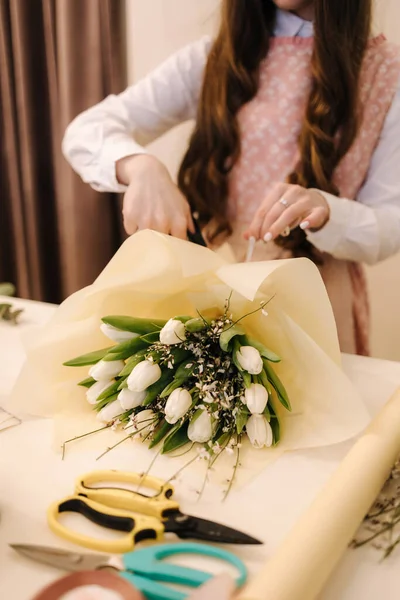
x: 145, y: 568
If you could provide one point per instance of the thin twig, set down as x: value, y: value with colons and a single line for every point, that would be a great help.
x: 131, y: 435
x: 175, y: 475
x: 203, y: 487
x: 261, y: 307
x: 78, y: 437
x: 147, y: 472
x: 233, y: 475
x: 378, y: 533
x: 202, y: 318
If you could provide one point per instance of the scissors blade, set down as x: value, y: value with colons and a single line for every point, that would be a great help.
x: 62, y: 559
x: 186, y: 526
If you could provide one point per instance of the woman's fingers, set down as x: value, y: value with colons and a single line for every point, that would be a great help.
x: 273, y: 197
x: 315, y: 220
x: 287, y: 207
x: 284, y: 213
x: 179, y: 228
x: 221, y: 587
x: 278, y: 220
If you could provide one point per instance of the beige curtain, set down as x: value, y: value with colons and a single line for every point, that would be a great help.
x: 57, y: 57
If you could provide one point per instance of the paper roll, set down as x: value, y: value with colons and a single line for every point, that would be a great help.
x: 301, y: 566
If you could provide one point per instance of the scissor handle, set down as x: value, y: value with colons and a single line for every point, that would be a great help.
x: 149, y: 562
x: 137, y: 526
x: 157, y: 506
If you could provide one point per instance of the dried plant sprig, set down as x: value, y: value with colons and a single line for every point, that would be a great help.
x: 7, y: 312
x: 381, y: 526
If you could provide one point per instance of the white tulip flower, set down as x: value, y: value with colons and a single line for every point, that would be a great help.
x: 250, y: 360
x: 143, y: 375
x: 259, y: 431
x: 129, y: 399
x: 200, y: 429
x: 96, y: 389
x: 117, y: 335
x: 173, y: 332
x: 143, y: 422
x: 105, y: 370
x: 256, y: 398
x: 177, y: 405
x: 110, y: 412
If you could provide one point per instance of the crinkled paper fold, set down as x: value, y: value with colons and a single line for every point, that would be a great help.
x: 160, y: 276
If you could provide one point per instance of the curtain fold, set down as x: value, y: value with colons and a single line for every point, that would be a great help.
x: 57, y: 58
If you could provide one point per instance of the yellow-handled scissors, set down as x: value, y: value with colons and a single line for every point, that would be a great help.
x: 140, y: 516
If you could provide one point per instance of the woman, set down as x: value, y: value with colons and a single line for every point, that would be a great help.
x: 297, y: 114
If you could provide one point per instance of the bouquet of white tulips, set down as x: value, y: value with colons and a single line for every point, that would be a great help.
x: 186, y: 380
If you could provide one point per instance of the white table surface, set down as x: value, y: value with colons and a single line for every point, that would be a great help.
x: 32, y: 475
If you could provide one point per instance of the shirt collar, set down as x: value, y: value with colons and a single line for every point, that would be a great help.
x: 290, y: 25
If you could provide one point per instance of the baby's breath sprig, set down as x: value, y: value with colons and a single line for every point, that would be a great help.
x: 381, y: 526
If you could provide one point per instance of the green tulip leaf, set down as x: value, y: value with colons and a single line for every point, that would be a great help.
x: 226, y: 336
x: 132, y: 362
x: 174, y: 385
x: 153, y: 391
x: 122, y: 384
x: 88, y: 359
x: 241, y: 419
x: 265, y: 382
x: 125, y: 349
x: 176, y: 439
x: 179, y: 355
x: 87, y: 383
x: 151, y: 338
x: 266, y: 413
x: 111, y: 390
x: 275, y: 425
x: 162, y: 429
x: 263, y: 350
x: 134, y: 325
x: 246, y: 378
x: 195, y: 325
x: 102, y: 403
x: 277, y: 385
x: 186, y: 369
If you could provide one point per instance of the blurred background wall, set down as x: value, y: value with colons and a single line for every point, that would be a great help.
x: 156, y: 29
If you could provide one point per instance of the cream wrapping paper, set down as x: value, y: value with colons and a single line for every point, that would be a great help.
x: 160, y: 276
x: 302, y: 565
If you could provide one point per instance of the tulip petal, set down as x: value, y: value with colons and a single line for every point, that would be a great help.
x: 143, y: 375
x: 110, y: 412
x: 130, y: 399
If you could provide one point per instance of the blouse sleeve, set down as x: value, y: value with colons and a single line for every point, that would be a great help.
x: 369, y: 230
x: 122, y: 124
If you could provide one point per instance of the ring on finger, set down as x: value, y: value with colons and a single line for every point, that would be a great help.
x: 284, y: 202
x: 286, y: 231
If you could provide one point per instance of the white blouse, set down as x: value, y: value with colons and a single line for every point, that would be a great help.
x: 364, y: 231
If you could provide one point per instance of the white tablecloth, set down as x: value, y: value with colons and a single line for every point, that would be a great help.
x: 32, y: 475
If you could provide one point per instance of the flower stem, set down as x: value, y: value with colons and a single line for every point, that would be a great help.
x: 235, y: 468
x: 263, y: 305
x: 78, y: 437
x: 131, y: 435
x: 378, y: 533
x: 175, y: 475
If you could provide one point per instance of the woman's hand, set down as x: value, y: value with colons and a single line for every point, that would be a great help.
x: 152, y: 200
x: 288, y: 206
x: 221, y: 587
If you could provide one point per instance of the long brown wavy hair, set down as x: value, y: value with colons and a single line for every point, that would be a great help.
x: 331, y: 119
